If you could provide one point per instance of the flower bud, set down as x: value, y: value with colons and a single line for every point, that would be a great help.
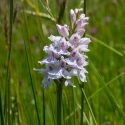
x: 81, y: 23
x: 81, y: 32
x: 78, y: 12
x: 63, y: 30
x: 82, y: 16
x: 85, y: 41
x: 72, y: 16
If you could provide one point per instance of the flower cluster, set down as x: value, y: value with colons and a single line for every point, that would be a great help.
x: 66, y: 56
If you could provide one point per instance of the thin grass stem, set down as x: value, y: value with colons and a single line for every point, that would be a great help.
x: 89, y: 106
x: 9, y: 58
x: 31, y: 79
x: 52, y: 110
x: 1, y: 110
x: 82, y: 85
x: 104, y: 44
x: 62, y: 10
x: 59, y: 100
x: 44, y: 118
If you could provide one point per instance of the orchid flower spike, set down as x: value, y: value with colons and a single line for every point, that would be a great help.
x: 66, y: 54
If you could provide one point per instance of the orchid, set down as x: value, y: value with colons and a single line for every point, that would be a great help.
x: 66, y: 54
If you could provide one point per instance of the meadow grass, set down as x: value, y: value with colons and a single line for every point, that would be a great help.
x: 20, y: 90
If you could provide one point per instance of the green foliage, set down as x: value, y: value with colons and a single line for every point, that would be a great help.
x: 33, y: 22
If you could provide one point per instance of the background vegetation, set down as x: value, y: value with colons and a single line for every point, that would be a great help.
x: 21, y: 90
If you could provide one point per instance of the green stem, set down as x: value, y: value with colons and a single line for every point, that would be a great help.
x: 84, y: 7
x: 28, y: 62
x: 43, y: 109
x: 1, y: 110
x: 62, y: 10
x: 59, y: 100
x: 82, y: 104
x: 9, y: 58
x: 82, y: 85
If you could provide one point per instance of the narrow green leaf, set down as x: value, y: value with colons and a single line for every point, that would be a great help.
x: 52, y: 110
x: 26, y: 111
x: 48, y: 10
x: 102, y: 43
x: 43, y: 15
x: 104, y: 85
x: 1, y: 111
x: 89, y: 106
x: 31, y: 80
x: 110, y: 96
x: 9, y: 58
x: 44, y: 115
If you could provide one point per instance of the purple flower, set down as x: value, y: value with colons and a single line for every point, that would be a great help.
x: 81, y: 32
x: 82, y: 22
x: 84, y: 41
x: 60, y: 71
x: 74, y: 40
x: 80, y: 73
x: 72, y: 17
x: 51, y: 58
x: 61, y: 47
x: 63, y: 30
x: 66, y: 54
x: 76, y: 60
x: 47, y: 81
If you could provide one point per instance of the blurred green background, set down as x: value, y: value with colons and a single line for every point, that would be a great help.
x: 106, y: 62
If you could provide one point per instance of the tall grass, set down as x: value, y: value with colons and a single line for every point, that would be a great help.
x: 22, y: 100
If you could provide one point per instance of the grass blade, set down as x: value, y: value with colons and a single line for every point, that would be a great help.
x: 101, y: 88
x: 27, y: 112
x: 34, y: 95
x: 52, y: 110
x: 44, y: 119
x: 1, y: 111
x: 89, y: 106
x: 110, y: 96
x: 102, y: 43
x: 62, y: 10
x: 31, y: 80
x: 9, y: 58
x: 43, y: 15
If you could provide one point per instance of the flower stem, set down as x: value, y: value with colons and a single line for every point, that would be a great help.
x: 82, y: 85
x: 9, y: 59
x: 43, y: 109
x: 82, y: 104
x: 62, y: 10
x: 59, y: 100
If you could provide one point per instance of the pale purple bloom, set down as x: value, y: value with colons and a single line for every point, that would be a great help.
x: 61, y: 47
x: 66, y: 54
x: 76, y: 60
x: 63, y: 30
x: 82, y: 48
x: 60, y: 71
x: 55, y: 39
x: 81, y: 32
x: 81, y: 23
x: 74, y: 39
x: 80, y: 73
x: 72, y: 58
x: 72, y: 17
x: 51, y: 58
x: 47, y: 81
x: 78, y: 11
x: 84, y: 41
x: 69, y: 82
